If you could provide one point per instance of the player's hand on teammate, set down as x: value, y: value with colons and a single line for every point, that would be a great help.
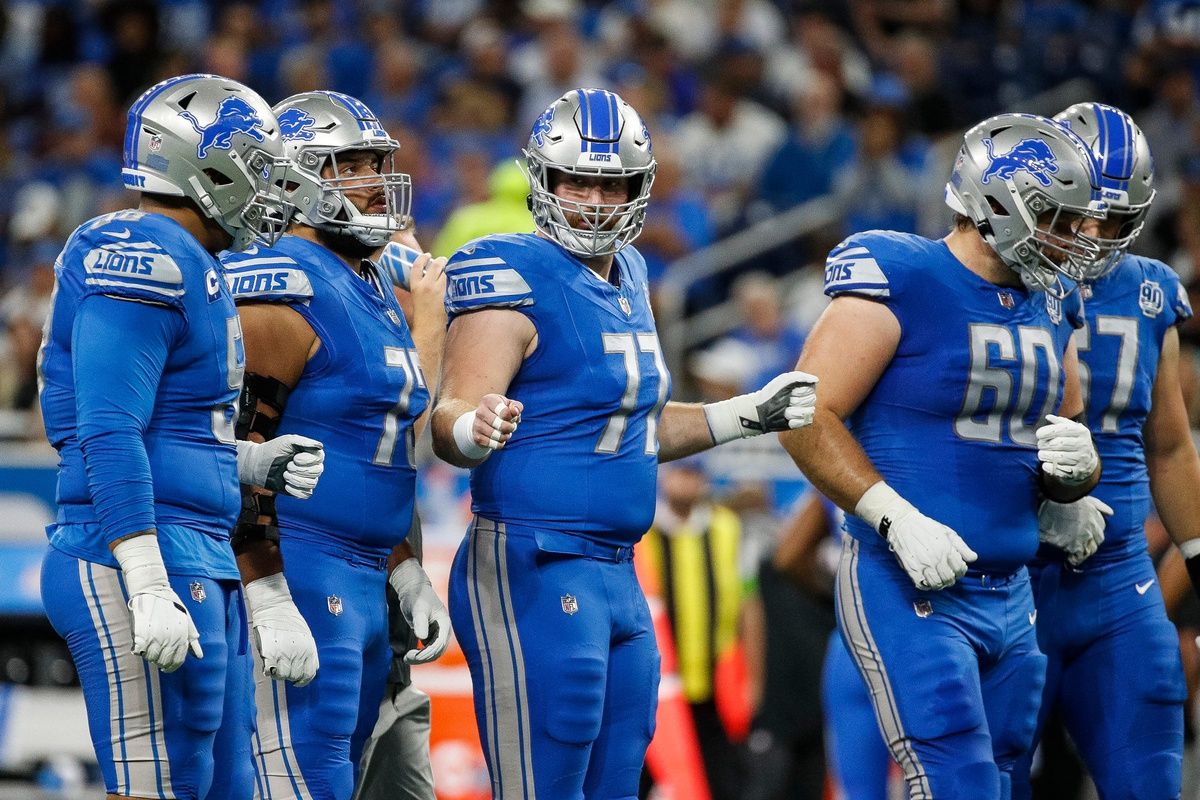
x: 423, y: 610
x: 281, y: 636
x: 787, y: 402
x: 1066, y: 450
x: 288, y: 464
x: 163, y: 630
x: 1075, y: 528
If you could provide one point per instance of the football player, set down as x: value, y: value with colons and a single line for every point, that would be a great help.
x: 141, y: 365
x: 552, y: 332
x: 948, y: 384
x: 1101, y: 622
x: 330, y: 355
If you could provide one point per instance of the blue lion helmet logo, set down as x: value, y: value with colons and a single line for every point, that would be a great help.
x: 296, y: 123
x: 541, y: 127
x: 1033, y: 156
x: 234, y: 115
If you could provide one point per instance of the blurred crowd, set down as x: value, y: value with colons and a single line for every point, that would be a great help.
x: 755, y: 106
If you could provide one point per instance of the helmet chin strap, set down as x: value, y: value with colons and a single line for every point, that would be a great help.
x: 344, y: 243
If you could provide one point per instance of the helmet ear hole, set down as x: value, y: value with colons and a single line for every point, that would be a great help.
x: 997, y: 208
x: 217, y: 177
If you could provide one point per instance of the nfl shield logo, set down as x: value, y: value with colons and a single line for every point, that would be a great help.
x: 1150, y: 298
x: 198, y: 591
x: 1006, y: 299
x: 923, y: 608
x: 624, y: 304
x: 335, y: 605
x: 569, y: 604
x: 156, y: 143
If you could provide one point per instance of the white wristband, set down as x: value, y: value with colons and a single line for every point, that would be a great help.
x: 880, y: 501
x: 464, y: 439
x: 267, y: 592
x: 723, y: 421
x: 1190, y: 548
x: 142, y: 563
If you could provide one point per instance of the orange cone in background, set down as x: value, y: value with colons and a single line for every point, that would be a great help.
x: 731, y: 692
x: 674, y: 757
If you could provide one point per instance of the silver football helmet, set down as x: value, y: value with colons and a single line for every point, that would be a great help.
x: 1126, y: 174
x: 1015, y: 170
x: 216, y: 142
x: 318, y: 127
x: 589, y: 132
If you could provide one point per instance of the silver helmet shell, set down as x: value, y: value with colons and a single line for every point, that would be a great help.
x: 320, y: 127
x: 1016, y: 169
x: 216, y: 142
x: 589, y: 132
x: 1126, y: 174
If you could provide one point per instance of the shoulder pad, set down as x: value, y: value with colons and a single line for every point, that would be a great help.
x: 266, y: 275
x: 1175, y: 294
x: 852, y: 268
x: 479, y: 277
x: 122, y: 258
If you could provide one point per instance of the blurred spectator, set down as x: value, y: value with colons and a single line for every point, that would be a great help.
x: 556, y: 61
x: 23, y: 311
x: 726, y: 143
x: 400, y: 90
x: 817, y: 47
x: 915, y: 61
x: 819, y: 144
x: 771, y: 342
x: 504, y: 211
x: 876, y: 190
x: 693, y: 548
x: 133, y: 26
x: 677, y: 221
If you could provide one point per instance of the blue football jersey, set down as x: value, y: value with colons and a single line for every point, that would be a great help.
x: 1129, y: 313
x: 189, y: 442
x: 585, y: 457
x: 951, y: 423
x: 359, y: 394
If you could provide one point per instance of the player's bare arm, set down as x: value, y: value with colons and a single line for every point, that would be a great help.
x: 278, y: 343
x: 851, y: 346
x: 427, y: 286
x: 472, y: 416
x: 1171, y: 458
x: 785, y: 403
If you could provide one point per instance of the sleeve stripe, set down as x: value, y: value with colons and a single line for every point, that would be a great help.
x: 234, y: 266
x: 866, y: 289
x: 136, y: 286
x: 850, y: 251
x: 475, y: 262
x: 101, y: 277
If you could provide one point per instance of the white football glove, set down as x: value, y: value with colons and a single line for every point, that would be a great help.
x: 787, y: 402
x: 422, y: 609
x: 282, y: 637
x: 289, y: 464
x: 1066, y: 450
x: 933, y: 555
x: 163, y: 631
x: 1075, y: 528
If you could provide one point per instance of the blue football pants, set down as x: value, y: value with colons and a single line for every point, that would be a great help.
x: 182, y: 735
x: 310, y: 738
x: 955, y: 676
x: 563, y: 661
x: 1115, y: 674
